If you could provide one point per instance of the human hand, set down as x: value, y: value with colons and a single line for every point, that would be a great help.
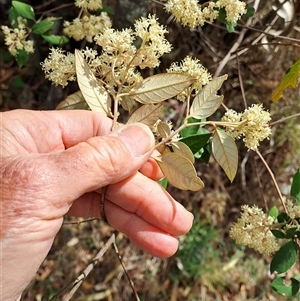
x: 56, y: 163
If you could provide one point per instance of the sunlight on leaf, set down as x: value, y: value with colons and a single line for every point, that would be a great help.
x: 159, y: 87
x: 147, y: 114
x: 74, y: 101
x: 207, y: 102
x: 225, y: 152
x: 95, y: 95
x: 179, y: 171
x: 290, y: 79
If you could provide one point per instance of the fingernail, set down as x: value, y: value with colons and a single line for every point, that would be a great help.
x: 138, y: 138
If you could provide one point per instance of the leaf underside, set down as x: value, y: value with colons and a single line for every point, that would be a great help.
x: 179, y: 171
x: 207, y: 102
x: 225, y: 152
x: 159, y: 87
x: 95, y: 95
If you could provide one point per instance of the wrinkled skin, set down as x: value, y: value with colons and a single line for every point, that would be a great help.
x: 56, y: 163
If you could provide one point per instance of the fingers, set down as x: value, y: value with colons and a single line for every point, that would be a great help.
x: 151, y: 170
x: 101, y: 161
x: 136, y: 198
x: 145, y: 198
x: 143, y: 234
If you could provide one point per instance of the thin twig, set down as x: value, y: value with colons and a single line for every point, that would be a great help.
x: 125, y: 271
x: 241, y: 81
x: 236, y: 44
x: 80, y: 222
x: 273, y: 180
x: 76, y: 284
x: 284, y: 119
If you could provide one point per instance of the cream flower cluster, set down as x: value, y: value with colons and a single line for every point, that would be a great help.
x: 252, y: 124
x: 193, y: 67
x: 89, y: 4
x: 116, y: 65
x: 293, y: 210
x: 191, y: 13
x: 87, y: 27
x: 59, y: 67
x: 252, y: 229
x: 15, y: 38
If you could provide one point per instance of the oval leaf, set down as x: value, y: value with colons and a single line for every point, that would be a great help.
x: 179, y: 171
x: 277, y: 233
x: 207, y: 102
x: 183, y: 150
x: 295, y: 189
x: 95, y: 95
x: 273, y: 212
x: 280, y: 286
x: 147, y: 114
x: 56, y: 40
x: 284, y: 258
x: 22, y: 57
x: 160, y: 87
x: 74, y: 101
x: 24, y: 10
x: 127, y: 103
x: 225, y: 152
x: 163, y: 129
x: 13, y: 17
x: 42, y: 26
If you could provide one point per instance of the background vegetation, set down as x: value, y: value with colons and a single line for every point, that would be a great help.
x: 208, y: 265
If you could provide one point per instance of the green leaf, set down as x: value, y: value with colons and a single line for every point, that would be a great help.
x: 164, y: 183
x: 225, y: 152
x: 196, y: 142
x: 290, y: 79
x: 55, y: 40
x: 250, y: 11
x: 205, y: 154
x: 283, y: 217
x: 278, y: 233
x: 284, y: 258
x: 159, y: 87
x: 295, y: 189
x: 24, y: 10
x: 230, y: 26
x: 74, y: 101
x: 107, y: 9
x: 273, y: 212
x: 179, y: 171
x: 193, y: 129
x: 147, y: 114
x: 281, y: 286
x: 42, y: 26
x: 206, y: 101
x: 13, y: 17
x: 95, y: 95
x: 22, y: 57
x: 290, y: 233
x: 222, y: 15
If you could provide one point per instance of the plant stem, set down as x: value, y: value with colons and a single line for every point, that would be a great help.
x: 273, y: 180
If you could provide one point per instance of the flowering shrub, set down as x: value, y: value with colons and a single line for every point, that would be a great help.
x: 109, y: 75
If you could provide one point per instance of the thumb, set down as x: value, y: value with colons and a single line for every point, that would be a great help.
x: 101, y: 160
